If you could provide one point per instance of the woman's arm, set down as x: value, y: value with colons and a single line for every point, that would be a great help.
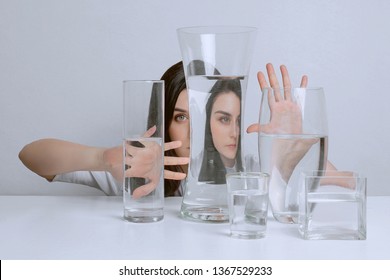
x: 49, y: 157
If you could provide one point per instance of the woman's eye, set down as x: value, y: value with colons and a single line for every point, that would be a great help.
x: 224, y: 120
x: 181, y: 118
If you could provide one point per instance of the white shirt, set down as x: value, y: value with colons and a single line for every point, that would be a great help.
x: 100, y: 180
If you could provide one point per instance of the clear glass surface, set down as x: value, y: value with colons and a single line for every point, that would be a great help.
x: 293, y: 137
x: 143, y: 146
x: 216, y: 64
x: 248, y: 204
x: 332, y: 205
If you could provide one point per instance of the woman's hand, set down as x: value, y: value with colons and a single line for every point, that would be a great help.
x: 286, y: 118
x: 171, y: 175
x: 143, y: 161
x: 285, y: 113
x: 113, y: 161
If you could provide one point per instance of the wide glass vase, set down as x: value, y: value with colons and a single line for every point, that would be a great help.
x: 216, y: 63
x: 293, y: 137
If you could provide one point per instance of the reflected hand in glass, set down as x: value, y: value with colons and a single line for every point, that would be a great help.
x: 143, y: 160
x: 113, y: 160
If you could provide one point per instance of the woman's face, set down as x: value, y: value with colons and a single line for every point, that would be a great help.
x: 179, y: 128
x: 225, y: 126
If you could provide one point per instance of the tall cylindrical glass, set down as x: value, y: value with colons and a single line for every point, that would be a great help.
x: 216, y: 63
x: 293, y: 136
x: 143, y: 166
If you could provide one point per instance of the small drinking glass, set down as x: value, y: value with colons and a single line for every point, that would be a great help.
x: 143, y: 148
x: 332, y: 205
x: 248, y: 204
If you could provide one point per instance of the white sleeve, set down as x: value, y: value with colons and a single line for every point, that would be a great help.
x: 279, y: 193
x: 101, y: 180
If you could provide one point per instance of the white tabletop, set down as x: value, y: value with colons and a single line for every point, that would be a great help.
x: 92, y: 227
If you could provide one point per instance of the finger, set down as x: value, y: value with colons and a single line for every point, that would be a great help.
x: 128, y: 161
x: 265, y: 87
x: 170, y: 175
x: 132, y: 151
x: 135, y: 171
x: 285, y: 76
x: 172, y: 145
x: 128, y: 172
x: 286, y: 82
x: 176, y: 160
x: 144, y: 190
x: 304, y: 81
x: 128, y: 151
x: 262, y: 81
x: 150, y: 131
x: 273, y: 80
x: 253, y: 128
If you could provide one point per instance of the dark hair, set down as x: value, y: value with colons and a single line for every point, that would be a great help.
x: 213, y: 169
x: 175, y: 83
x: 154, y: 117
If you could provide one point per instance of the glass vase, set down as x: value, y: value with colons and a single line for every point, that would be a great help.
x: 216, y: 63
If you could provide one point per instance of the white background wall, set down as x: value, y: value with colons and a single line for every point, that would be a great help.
x: 62, y: 64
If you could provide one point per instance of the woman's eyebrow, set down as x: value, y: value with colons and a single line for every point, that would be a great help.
x: 222, y: 112
x: 181, y: 110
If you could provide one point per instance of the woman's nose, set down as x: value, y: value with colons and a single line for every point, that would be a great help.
x: 188, y: 132
x: 234, y: 130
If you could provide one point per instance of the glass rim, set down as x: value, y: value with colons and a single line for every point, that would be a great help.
x: 216, y: 29
x: 143, y: 81
x: 332, y: 174
x: 284, y: 88
x: 244, y: 174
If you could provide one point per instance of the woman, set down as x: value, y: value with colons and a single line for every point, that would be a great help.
x: 102, y: 168
x: 58, y: 160
x: 177, y: 128
x: 222, y: 146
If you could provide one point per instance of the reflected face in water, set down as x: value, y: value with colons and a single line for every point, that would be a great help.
x: 225, y: 126
x: 179, y: 128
